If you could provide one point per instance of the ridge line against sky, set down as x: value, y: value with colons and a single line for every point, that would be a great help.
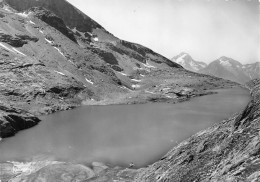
x: 206, y: 29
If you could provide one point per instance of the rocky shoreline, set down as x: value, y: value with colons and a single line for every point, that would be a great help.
x: 159, y: 86
x: 227, y: 151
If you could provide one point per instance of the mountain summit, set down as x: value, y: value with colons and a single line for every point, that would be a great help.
x: 223, y: 67
x: 188, y: 63
x: 231, y: 69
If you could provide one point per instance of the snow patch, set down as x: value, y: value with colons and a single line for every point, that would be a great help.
x: 122, y: 73
x: 148, y: 65
x: 41, y: 31
x: 89, y: 81
x: 24, y: 14
x: 225, y: 62
x: 136, y: 80
x: 59, y: 51
x: 149, y: 92
x: 49, y: 41
x: 136, y: 86
x: 166, y: 89
x: 31, y: 22
x: 59, y: 72
x: 6, y: 47
x: 95, y: 39
x: 6, y: 8
x: 18, y: 52
x: 71, y: 62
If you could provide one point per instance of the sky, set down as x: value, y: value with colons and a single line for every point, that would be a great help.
x: 206, y: 29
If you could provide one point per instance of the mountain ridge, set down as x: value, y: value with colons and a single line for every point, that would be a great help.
x: 188, y: 62
x: 223, y: 67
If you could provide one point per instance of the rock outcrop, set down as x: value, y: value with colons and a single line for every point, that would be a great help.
x: 13, y: 120
x: 53, y: 20
x: 16, y: 40
x: 68, y: 13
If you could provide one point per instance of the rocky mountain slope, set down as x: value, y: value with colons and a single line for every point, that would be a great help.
x: 186, y: 61
x: 252, y: 70
x: 53, y: 57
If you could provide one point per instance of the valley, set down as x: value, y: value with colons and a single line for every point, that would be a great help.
x: 47, y: 67
x: 54, y: 58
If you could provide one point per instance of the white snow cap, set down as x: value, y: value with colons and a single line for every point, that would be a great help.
x: 224, y: 62
x: 180, y: 60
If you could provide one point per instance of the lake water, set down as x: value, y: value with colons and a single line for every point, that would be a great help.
x: 121, y: 134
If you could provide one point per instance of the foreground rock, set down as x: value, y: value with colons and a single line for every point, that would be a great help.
x: 47, y: 171
x: 12, y: 120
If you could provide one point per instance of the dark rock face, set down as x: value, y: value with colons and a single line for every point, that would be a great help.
x: 71, y: 16
x: 17, y: 40
x: 54, y: 21
x: 143, y: 52
x: 12, y: 120
x: 106, y: 56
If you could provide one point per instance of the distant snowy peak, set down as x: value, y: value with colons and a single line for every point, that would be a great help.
x: 231, y: 69
x: 188, y: 63
x: 180, y: 59
x: 229, y: 62
x: 224, y: 62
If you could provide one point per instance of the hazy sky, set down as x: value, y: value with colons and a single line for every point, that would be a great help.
x: 206, y: 29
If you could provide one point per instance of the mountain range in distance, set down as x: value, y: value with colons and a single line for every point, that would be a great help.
x: 224, y: 67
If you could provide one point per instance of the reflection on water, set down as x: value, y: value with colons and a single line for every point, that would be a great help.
x: 121, y: 134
